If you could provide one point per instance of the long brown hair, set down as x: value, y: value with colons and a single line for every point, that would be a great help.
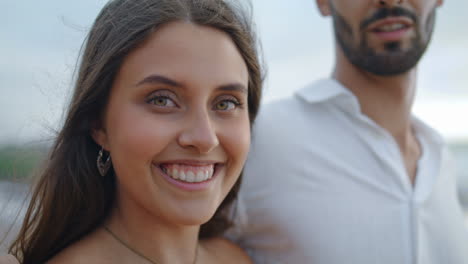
x: 70, y: 198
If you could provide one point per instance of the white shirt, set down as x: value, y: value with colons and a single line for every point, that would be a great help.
x: 324, y: 184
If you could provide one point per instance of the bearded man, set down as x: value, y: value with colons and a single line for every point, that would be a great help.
x: 342, y: 172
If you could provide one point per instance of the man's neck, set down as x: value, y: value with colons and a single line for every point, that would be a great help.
x: 385, y: 100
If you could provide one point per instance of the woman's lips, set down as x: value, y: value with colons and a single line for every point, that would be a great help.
x: 191, y: 176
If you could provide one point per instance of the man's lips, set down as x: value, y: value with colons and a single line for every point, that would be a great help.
x: 383, y: 25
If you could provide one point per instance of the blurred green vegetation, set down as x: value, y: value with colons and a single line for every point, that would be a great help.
x: 20, y: 162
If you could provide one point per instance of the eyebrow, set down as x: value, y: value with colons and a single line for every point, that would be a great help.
x: 155, y: 79
x: 158, y: 79
x: 237, y: 87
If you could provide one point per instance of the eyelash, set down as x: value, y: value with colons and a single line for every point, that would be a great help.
x: 167, y: 96
x: 228, y: 99
x: 161, y: 95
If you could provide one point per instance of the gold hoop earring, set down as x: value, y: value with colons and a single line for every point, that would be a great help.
x: 103, y: 166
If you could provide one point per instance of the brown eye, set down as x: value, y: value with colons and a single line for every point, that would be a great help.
x: 162, y: 101
x: 225, y: 105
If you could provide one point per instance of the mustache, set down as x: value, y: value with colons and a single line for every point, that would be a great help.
x: 388, y: 12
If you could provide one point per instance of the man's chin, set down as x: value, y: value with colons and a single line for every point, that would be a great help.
x: 389, y: 62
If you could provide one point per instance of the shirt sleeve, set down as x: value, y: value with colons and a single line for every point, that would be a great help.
x: 238, y: 216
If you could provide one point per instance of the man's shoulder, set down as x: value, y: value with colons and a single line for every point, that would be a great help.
x: 309, y: 101
x: 280, y: 104
x: 284, y: 110
x: 291, y: 114
x: 277, y: 117
x: 427, y: 132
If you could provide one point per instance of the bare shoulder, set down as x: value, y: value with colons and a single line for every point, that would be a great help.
x: 88, y: 250
x: 224, y: 251
x: 8, y: 259
x: 74, y: 254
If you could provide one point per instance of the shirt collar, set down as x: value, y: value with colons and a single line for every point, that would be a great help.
x: 427, y: 132
x: 332, y: 91
x: 329, y: 90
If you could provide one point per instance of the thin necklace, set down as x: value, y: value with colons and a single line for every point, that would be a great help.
x: 138, y: 253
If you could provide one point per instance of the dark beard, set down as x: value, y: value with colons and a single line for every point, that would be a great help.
x: 393, y: 61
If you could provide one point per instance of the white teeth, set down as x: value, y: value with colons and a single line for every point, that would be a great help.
x: 189, y: 173
x: 201, y: 176
x: 182, y: 176
x: 175, y: 174
x: 391, y: 27
x: 190, y: 176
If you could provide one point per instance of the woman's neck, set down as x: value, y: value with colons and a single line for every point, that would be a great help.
x: 150, y: 235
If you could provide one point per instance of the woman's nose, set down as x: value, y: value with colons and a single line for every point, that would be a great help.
x: 199, y: 133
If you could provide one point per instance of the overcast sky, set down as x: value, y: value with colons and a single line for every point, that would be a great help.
x: 41, y: 41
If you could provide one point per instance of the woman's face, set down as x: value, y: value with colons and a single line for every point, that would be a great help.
x: 177, y: 124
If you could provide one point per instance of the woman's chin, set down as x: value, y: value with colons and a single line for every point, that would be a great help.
x: 193, y: 218
x: 191, y: 211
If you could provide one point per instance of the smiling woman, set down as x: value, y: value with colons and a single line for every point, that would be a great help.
x: 164, y: 101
